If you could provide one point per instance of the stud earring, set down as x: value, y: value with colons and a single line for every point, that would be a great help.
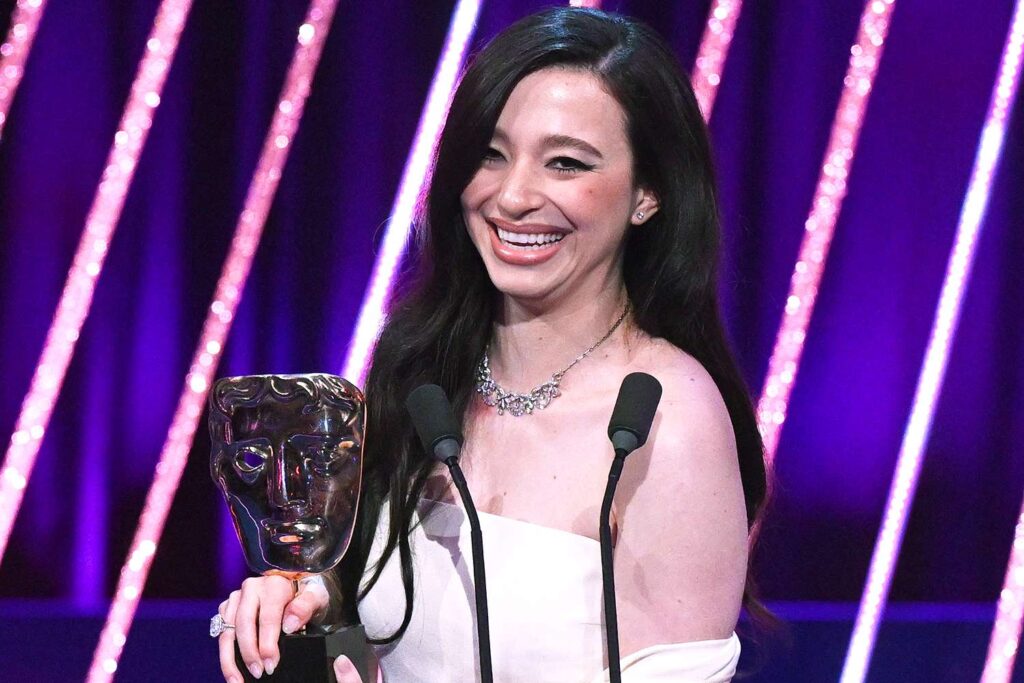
x: 639, y: 215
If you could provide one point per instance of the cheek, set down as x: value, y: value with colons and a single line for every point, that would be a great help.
x: 598, y: 201
x: 476, y: 191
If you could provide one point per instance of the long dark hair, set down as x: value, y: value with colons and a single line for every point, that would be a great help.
x: 438, y: 330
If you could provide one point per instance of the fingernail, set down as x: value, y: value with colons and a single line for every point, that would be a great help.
x: 268, y: 664
x: 256, y: 670
x: 290, y: 625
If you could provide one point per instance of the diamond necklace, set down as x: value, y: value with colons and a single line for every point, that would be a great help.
x: 539, y: 397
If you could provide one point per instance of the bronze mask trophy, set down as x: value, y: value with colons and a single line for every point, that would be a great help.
x: 287, y: 455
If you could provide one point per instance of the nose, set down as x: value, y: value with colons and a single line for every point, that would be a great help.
x: 519, y: 192
x: 287, y: 479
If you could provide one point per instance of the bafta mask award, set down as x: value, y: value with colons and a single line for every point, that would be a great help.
x: 287, y: 455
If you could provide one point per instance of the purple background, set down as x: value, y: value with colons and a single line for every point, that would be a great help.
x: 770, y: 127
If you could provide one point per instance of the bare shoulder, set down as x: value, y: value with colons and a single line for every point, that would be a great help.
x: 691, y: 401
x: 691, y: 445
x: 683, y: 522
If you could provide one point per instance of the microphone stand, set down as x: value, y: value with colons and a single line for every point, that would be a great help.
x: 628, y: 429
x: 611, y: 622
x: 441, y: 435
x: 483, y: 628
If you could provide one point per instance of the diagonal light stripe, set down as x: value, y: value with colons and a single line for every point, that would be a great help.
x: 14, y: 52
x: 714, y: 48
x: 100, y: 225
x: 865, y: 56
x: 414, y: 178
x: 311, y: 37
x: 958, y: 271
x: 1005, y: 639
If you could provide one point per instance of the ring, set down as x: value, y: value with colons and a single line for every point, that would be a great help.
x: 218, y: 626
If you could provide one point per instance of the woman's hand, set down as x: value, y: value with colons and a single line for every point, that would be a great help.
x: 260, y: 610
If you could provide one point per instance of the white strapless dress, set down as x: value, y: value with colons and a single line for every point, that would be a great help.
x: 545, y: 603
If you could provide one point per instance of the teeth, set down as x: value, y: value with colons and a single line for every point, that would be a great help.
x: 529, y: 240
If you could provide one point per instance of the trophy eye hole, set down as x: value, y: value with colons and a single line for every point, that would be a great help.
x: 248, y: 460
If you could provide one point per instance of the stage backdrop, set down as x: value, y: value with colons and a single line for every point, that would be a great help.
x: 770, y: 127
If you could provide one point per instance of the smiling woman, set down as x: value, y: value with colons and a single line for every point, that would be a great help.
x: 570, y: 238
x: 556, y: 188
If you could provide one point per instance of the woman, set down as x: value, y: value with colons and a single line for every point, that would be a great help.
x: 571, y: 236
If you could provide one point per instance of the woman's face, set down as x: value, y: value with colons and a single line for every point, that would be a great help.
x: 549, y: 207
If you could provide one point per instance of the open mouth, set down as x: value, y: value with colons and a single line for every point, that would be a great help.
x: 531, y: 241
x: 522, y: 248
x: 290, y: 533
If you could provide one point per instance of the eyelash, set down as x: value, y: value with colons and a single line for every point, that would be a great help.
x: 568, y: 165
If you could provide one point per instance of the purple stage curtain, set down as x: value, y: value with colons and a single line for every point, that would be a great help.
x: 772, y: 119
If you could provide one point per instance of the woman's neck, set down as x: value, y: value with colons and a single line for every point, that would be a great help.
x: 532, y: 342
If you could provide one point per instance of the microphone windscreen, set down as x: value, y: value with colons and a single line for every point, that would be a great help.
x: 635, y: 407
x: 432, y: 416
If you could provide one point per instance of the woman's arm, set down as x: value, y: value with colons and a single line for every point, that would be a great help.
x: 681, y: 549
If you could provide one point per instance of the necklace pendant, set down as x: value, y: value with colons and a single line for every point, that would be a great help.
x: 518, y: 407
x: 545, y: 393
x: 488, y: 390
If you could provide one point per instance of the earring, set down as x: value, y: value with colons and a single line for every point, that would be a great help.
x: 639, y: 215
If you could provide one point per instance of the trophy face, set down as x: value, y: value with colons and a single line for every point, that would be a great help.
x: 287, y: 455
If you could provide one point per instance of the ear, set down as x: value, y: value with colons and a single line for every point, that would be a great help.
x: 645, y: 205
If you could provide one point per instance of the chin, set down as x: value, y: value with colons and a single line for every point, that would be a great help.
x: 524, y: 293
x: 528, y: 286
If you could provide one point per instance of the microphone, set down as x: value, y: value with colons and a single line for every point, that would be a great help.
x: 441, y: 436
x: 435, y: 422
x: 634, y: 412
x: 628, y: 430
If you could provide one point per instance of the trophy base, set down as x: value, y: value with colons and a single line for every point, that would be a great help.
x: 309, y: 658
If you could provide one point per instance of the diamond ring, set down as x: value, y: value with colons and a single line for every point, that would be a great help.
x: 218, y: 626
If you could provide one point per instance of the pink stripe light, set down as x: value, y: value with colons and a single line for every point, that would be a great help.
x: 311, y: 37
x: 414, y: 178
x: 14, y: 52
x: 911, y: 455
x: 714, y: 48
x: 88, y: 262
x: 865, y: 56
x: 1005, y: 639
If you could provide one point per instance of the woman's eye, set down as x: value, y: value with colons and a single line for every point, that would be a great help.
x: 492, y: 155
x: 569, y: 165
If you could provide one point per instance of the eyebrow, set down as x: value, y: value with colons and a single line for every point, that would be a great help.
x: 559, y: 141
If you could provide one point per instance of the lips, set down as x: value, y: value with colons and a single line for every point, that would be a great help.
x: 290, y: 533
x: 525, y: 245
